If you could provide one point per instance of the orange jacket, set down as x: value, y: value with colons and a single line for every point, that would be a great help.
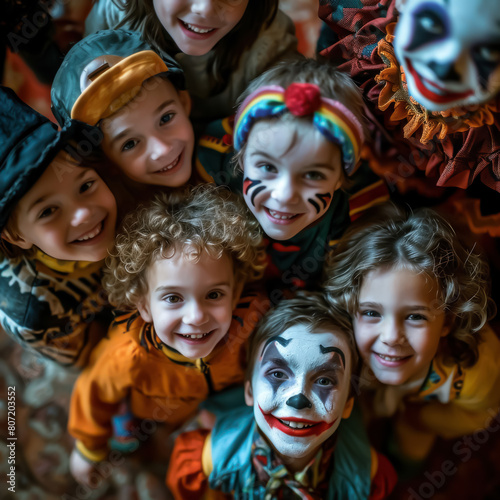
x: 159, y: 383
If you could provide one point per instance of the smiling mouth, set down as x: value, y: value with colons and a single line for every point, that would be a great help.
x: 195, y: 337
x: 435, y: 92
x: 90, y: 235
x: 281, y: 217
x: 197, y: 29
x: 296, y: 425
x: 170, y: 166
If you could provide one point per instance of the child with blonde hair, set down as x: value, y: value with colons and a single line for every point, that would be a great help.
x: 179, y: 266
x: 419, y: 302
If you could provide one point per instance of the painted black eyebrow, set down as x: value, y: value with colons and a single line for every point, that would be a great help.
x: 279, y: 362
x: 275, y: 338
x: 326, y: 350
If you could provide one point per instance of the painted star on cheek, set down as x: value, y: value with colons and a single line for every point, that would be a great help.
x: 323, y: 197
x: 250, y: 184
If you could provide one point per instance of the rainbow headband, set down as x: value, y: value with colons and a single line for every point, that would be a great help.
x: 331, y: 118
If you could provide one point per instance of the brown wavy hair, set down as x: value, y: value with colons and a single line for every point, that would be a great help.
x: 141, y: 16
x: 424, y: 242
x: 311, y: 310
x: 204, y: 219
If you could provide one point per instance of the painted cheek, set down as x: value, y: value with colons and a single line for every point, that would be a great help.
x: 320, y: 201
x: 252, y: 185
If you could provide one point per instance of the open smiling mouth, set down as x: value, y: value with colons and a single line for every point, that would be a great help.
x: 197, y: 29
x: 393, y: 361
x: 297, y: 427
x: 439, y: 94
x: 280, y: 217
x: 195, y: 337
x: 90, y: 236
x: 170, y: 166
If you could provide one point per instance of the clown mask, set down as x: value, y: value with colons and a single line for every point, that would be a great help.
x: 300, y: 391
x: 449, y: 51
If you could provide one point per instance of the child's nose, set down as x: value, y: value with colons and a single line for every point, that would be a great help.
x: 195, y: 314
x: 203, y: 7
x: 158, y: 148
x: 80, y: 215
x: 392, y: 332
x: 285, y: 190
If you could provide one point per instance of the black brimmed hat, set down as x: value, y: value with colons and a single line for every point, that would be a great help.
x: 28, y: 144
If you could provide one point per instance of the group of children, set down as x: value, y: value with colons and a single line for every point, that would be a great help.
x: 233, y: 257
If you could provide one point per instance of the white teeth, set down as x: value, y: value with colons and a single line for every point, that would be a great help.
x: 276, y: 215
x: 295, y: 425
x: 91, y: 235
x: 172, y: 165
x: 194, y: 336
x: 391, y: 358
x: 198, y: 30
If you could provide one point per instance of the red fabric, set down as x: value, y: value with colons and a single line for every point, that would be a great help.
x: 185, y: 477
x: 385, y: 479
x: 302, y: 99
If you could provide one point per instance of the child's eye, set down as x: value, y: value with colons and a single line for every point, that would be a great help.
x: 129, y: 145
x: 47, y: 212
x: 86, y: 186
x: 269, y: 169
x: 325, y: 382
x: 172, y: 299
x: 166, y: 118
x: 314, y: 176
x: 370, y: 314
x: 278, y: 374
x: 416, y: 317
x: 214, y: 295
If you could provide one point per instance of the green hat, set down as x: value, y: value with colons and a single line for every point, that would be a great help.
x: 103, y: 72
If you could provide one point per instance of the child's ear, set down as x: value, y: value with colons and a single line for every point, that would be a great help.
x: 143, y: 308
x: 448, y: 324
x: 248, y: 393
x: 185, y: 100
x: 348, y: 408
x: 16, y: 239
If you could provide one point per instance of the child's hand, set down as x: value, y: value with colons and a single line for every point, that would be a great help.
x: 80, y: 468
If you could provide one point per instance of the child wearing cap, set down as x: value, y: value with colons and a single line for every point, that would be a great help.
x: 297, y: 136
x: 114, y: 80
x: 300, y: 440
x: 57, y: 221
x: 220, y: 45
x: 179, y: 266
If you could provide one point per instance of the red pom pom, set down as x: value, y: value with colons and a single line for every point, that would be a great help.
x: 227, y: 139
x: 302, y: 99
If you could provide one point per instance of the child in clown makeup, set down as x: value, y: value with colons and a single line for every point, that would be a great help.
x: 57, y: 222
x: 114, y: 80
x: 419, y: 302
x: 297, y: 137
x: 300, y: 436
x: 179, y: 266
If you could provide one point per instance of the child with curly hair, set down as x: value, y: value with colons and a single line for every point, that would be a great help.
x: 299, y: 438
x: 297, y: 138
x: 179, y: 266
x: 419, y: 302
x: 221, y: 45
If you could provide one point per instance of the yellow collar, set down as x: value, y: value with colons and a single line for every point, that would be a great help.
x: 62, y: 266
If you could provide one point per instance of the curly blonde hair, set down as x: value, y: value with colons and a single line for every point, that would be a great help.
x: 204, y: 219
x: 424, y: 242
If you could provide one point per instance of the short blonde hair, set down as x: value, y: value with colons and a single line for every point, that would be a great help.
x: 204, y: 219
x: 424, y: 242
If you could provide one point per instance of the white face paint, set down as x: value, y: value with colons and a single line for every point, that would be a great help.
x: 449, y: 51
x: 300, y: 387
